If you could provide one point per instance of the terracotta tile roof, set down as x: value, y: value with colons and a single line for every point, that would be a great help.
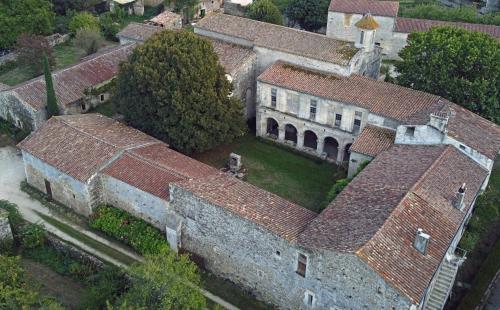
x: 280, y: 38
x: 272, y: 212
x: 138, y: 32
x: 70, y: 83
x: 464, y: 126
x: 386, y: 99
x: 376, y: 8
x: 377, y: 215
x: 409, y: 25
x: 166, y: 19
x: 373, y: 140
x: 232, y: 56
x: 79, y: 145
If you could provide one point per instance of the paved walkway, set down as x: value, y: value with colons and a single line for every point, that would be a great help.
x: 11, y: 176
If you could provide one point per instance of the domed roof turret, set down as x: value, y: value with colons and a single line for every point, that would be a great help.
x: 367, y: 23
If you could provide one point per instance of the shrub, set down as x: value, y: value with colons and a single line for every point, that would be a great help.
x: 30, y: 50
x: 33, y: 236
x: 106, y: 286
x: 266, y: 11
x: 89, y: 39
x: 15, y: 218
x: 109, y: 26
x: 83, y: 20
x: 462, y: 14
x: 135, y: 232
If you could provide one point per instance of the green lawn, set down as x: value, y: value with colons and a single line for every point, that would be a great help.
x: 277, y: 169
x: 65, y: 54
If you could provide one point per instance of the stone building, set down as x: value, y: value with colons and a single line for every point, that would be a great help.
x: 393, y: 32
x: 78, y: 89
x: 137, y: 33
x: 167, y: 20
x: 379, y: 247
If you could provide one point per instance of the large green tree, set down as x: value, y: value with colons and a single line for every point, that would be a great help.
x: 52, y: 108
x: 83, y: 20
x: 173, y: 88
x: 309, y: 14
x: 24, y: 16
x: 164, y: 281
x: 265, y: 11
x: 459, y: 65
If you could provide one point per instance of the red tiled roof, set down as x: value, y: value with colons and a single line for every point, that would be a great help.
x: 409, y: 25
x: 270, y: 211
x: 231, y: 56
x: 386, y: 99
x: 70, y: 83
x: 376, y: 8
x: 138, y: 32
x: 373, y: 140
x: 166, y: 19
x: 377, y: 215
x: 280, y: 38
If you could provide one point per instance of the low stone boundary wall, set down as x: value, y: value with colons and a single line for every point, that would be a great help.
x: 74, y: 252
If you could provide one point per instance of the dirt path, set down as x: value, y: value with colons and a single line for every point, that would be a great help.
x: 66, y: 290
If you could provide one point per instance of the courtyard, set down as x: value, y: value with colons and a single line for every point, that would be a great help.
x: 282, y: 171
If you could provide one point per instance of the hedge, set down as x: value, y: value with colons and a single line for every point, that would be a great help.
x: 141, y: 236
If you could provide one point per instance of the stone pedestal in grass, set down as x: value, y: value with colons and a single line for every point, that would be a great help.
x: 6, y: 238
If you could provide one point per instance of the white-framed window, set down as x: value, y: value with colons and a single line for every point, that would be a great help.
x: 301, y: 264
x: 274, y: 97
x: 338, y: 119
x: 357, y: 121
x: 312, y: 109
x: 309, y: 299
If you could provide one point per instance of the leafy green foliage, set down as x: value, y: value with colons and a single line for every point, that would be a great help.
x: 34, y: 17
x: 33, y: 236
x: 309, y: 14
x: 31, y: 50
x: 15, y: 218
x: 186, y: 7
x: 63, y: 7
x: 15, y: 290
x: 110, y: 24
x: 52, y: 107
x: 83, y: 20
x: 460, y: 14
x: 173, y: 88
x: 164, y: 281
x: 135, y: 232
x: 265, y: 11
x: 459, y: 65
x: 103, y: 287
x: 89, y: 40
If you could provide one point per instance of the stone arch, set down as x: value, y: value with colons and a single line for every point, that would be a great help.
x: 272, y: 128
x: 347, y: 152
x: 331, y: 148
x: 310, y: 139
x: 290, y: 133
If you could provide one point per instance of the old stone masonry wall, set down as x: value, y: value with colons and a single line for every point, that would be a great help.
x: 6, y: 238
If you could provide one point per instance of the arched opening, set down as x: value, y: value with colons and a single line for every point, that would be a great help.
x: 347, y: 152
x: 310, y: 139
x: 291, y: 133
x: 331, y: 148
x: 272, y: 128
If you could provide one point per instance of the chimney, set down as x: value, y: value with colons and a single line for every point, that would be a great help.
x: 459, y: 198
x: 439, y: 121
x: 421, y: 241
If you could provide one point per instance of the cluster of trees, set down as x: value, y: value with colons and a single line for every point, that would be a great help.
x: 466, y: 14
x: 34, y: 17
x: 459, y: 65
x: 310, y: 15
x: 173, y: 88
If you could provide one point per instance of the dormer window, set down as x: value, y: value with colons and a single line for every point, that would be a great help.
x: 421, y: 241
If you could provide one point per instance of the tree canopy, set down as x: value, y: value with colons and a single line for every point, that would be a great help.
x: 265, y: 11
x: 83, y: 20
x: 164, y: 281
x: 52, y: 107
x: 24, y: 16
x: 459, y: 65
x: 309, y: 14
x: 173, y: 88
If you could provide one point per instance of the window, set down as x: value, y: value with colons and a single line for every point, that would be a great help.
x: 362, y: 37
x: 293, y: 103
x: 357, y: 121
x: 102, y: 97
x: 338, y: 120
x: 312, y: 109
x: 301, y: 264
x: 347, y: 20
x: 309, y: 299
x: 277, y: 254
x: 410, y: 131
x: 274, y: 94
x: 84, y: 107
x: 462, y: 147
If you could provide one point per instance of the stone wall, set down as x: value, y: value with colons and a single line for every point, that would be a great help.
x: 19, y: 113
x: 6, y: 237
x: 356, y: 159
x: 65, y: 189
x: 260, y: 261
x: 244, y: 85
x: 143, y: 205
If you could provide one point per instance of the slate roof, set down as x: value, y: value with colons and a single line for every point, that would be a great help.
x: 138, y: 32
x: 377, y: 215
x: 376, y: 8
x: 373, y: 140
x: 232, y: 56
x: 268, y: 210
x: 280, y: 38
x: 389, y: 100
x: 70, y: 83
x: 408, y: 25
